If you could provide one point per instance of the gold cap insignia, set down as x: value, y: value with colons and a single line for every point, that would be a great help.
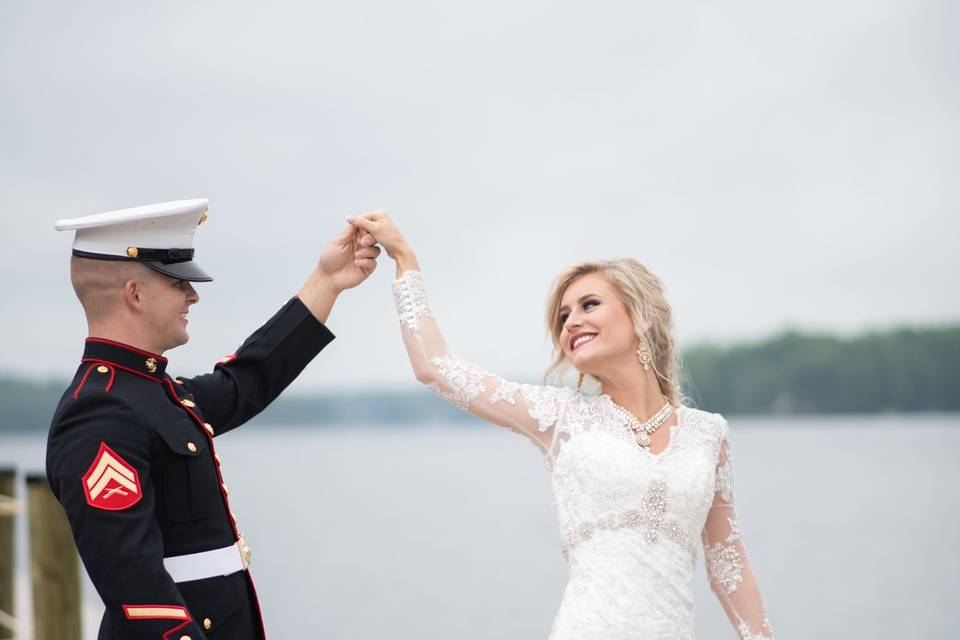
x: 151, y: 365
x: 133, y: 252
x: 203, y: 217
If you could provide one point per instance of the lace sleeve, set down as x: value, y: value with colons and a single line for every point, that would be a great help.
x: 728, y: 569
x: 527, y: 409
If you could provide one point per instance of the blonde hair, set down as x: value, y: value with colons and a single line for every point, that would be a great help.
x: 642, y: 293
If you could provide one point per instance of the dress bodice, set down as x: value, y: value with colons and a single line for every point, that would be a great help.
x: 602, y: 479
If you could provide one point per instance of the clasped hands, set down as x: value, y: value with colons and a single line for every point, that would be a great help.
x: 351, y: 257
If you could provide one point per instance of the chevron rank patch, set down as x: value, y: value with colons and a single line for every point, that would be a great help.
x: 110, y: 483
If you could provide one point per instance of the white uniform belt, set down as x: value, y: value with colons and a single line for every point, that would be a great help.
x: 209, y: 564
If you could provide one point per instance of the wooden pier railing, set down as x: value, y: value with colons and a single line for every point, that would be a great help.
x: 54, y: 563
x: 8, y: 509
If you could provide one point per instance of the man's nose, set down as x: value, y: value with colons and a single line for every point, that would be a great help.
x: 192, y: 296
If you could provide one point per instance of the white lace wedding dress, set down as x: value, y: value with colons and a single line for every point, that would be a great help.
x: 629, y: 519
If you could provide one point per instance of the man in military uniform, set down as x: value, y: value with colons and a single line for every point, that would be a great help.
x: 131, y: 449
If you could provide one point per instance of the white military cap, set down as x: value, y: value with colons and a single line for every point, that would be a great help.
x: 158, y: 235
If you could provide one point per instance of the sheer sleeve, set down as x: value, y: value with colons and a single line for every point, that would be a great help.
x: 530, y: 410
x: 728, y: 569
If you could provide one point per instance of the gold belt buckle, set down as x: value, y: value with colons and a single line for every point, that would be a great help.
x: 245, y: 552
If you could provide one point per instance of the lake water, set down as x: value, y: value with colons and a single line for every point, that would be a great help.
x: 433, y: 532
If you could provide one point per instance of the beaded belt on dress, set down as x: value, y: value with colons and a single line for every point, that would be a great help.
x: 649, y: 517
x: 631, y: 519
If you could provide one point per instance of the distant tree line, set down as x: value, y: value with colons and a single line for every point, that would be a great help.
x: 904, y: 370
x: 901, y: 370
x: 26, y: 404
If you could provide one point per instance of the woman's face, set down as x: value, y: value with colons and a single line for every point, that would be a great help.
x: 596, y: 328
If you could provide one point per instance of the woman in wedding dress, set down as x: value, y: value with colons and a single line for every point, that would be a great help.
x: 637, y: 477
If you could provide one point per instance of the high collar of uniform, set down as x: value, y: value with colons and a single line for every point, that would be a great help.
x: 122, y: 356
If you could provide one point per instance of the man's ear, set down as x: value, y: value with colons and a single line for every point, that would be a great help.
x: 133, y: 292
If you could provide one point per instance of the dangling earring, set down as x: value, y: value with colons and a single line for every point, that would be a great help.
x: 579, y: 381
x: 643, y: 354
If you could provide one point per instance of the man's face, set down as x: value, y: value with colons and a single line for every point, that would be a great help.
x: 166, y: 302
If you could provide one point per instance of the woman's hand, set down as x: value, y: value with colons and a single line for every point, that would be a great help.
x: 377, y: 227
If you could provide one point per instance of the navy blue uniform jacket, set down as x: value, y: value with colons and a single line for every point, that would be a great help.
x: 131, y: 458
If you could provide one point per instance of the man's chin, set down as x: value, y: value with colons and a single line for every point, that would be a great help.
x: 179, y: 340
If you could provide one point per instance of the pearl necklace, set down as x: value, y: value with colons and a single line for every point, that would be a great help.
x: 642, y: 430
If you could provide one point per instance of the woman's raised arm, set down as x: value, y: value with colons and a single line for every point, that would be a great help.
x: 527, y: 409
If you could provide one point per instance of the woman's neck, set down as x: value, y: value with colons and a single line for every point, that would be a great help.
x: 634, y: 388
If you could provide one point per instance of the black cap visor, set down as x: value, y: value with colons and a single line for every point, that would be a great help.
x: 189, y: 270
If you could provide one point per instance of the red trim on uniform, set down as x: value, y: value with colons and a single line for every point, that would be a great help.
x: 226, y: 501
x: 106, y: 469
x: 175, y: 612
x: 227, y: 359
x: 256, y: 601
x: 127, y: 347
x: 120, y: 366
x: 131, y: 613
x: 83, y: 381
x: 199, y: 422
x: 179, y: 627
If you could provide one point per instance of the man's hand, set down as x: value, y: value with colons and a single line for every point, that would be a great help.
x: 344, y: 264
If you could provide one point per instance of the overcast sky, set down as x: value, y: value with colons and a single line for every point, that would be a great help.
x: 777, y: 164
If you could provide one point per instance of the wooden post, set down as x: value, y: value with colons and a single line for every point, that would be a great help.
x: 54, y: 566
x: 8, y: 483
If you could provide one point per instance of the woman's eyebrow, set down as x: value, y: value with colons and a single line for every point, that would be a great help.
x: 582, y: 298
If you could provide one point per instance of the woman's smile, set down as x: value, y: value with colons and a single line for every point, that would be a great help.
x: 581, y: 339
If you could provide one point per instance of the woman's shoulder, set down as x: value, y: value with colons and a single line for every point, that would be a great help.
x: 712, y: 423
x: 545, y: 403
